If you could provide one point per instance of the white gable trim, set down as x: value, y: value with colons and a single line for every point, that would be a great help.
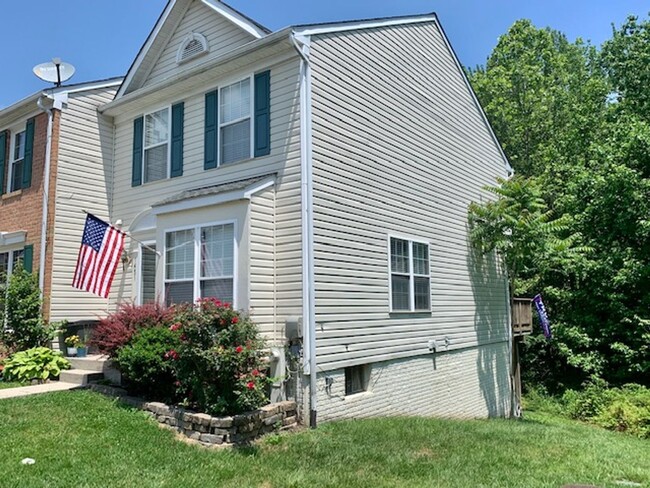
x: 236, y: 18
x: 479, y: 107
x: 145, y: 49
x: 313, y: 30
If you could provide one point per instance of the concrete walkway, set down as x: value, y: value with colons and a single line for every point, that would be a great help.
x: 22, y: 391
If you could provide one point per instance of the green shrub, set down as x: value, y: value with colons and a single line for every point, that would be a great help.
x: 588, y: 403
x: 21, y: 313
x: 38, y: 363
x: 147, y: 365
x: 627, y: 411
x: 220, y: 361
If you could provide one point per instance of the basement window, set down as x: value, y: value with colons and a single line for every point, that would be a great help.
x: 357, y: 379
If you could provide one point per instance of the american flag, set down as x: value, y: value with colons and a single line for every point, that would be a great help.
x: 99, y: 255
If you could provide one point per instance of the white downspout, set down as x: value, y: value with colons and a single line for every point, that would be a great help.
x: 46, y: 193
x: 307, y: 196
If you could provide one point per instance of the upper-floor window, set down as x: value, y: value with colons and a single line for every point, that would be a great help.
x: 16, y: 163
x: 156, y: 145
x: 238, y: 121
x: 410, y: 281
x: 235, y: 122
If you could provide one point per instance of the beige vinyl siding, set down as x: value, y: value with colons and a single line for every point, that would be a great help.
x: 262, y: 263
x: 83, y: 183
x: 221, y: 34
x: 284, y: 160
x: 400, y: 148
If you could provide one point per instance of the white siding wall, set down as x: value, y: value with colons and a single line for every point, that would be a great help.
x: 83, y: 183
x: 283, y: 160
x: 399, y: 148
x: 221, y: 34
x: 468, y: 383
x: 262, y: 263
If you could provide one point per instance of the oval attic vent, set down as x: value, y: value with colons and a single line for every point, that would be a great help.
x: 192, y: 46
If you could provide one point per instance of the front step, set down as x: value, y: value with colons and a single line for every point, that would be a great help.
x: 90, y: 363
x: 80, y: 376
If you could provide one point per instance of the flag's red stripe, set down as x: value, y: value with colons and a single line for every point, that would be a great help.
x: 102, y: 256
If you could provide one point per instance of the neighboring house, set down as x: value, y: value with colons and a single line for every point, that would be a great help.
x: 55, y: 161
x: 319, y: 175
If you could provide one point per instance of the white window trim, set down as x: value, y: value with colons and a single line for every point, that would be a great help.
x: 12, y: 147
x: 411, y: 274
x: 169, y: 143
x: 251, y: 116
x: 196, y: 280
x: 138, y: 270
x: 10, y: 262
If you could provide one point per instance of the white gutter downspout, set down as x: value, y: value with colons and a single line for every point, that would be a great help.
x: 46, y: 193
x: 307, y: 199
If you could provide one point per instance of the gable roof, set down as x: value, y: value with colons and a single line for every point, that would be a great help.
x: 164, y: 28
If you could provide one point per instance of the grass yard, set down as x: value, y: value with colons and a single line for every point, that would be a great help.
x: 83, y: 439
x: 10, y: 384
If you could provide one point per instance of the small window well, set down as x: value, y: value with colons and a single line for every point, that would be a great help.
x: 356, y: 379
x: 192, y: 46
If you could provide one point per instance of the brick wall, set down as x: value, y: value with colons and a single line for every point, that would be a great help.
x: 22, y: 210
x: 467, y: 383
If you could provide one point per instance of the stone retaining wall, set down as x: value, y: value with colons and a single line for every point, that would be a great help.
x: 208, y: 430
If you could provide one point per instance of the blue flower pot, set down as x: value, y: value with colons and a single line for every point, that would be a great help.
x: 82, y: 352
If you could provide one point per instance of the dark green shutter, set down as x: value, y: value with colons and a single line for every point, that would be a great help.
x: 262, y: 114
x: 178, y: 111
x: 211, y: 140
x: 29, y: 154
x: 3, y: 158
x: 28, y: 258
x: 136, y: 175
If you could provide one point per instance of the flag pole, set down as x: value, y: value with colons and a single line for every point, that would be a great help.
x: 129, y: 236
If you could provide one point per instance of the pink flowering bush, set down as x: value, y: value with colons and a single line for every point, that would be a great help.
x: 220, y: 364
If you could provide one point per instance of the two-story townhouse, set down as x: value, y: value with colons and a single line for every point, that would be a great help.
x: 55, y: 162
x: 319, y: 176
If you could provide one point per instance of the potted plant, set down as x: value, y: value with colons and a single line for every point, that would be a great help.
x: 82, y: 350
x: 72, y: 342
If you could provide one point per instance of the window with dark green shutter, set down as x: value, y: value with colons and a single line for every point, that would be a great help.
x: 178, y: 111
x: 262, y: 114
x: 238, y: 121
x: 211, y: 139
x: 28, y: 258
x: 3, y: 158
x: 28, y: 154
x: 136, y: 174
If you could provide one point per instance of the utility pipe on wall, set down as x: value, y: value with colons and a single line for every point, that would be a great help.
x: 308, y: 299
x: 46, y: 193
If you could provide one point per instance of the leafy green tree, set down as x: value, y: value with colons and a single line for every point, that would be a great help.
x: 552, y: 105
x: 20, y: 312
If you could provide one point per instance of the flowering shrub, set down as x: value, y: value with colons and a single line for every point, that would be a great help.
x: 116, y: 330
x: 219, y: 362
x: 147, y: 363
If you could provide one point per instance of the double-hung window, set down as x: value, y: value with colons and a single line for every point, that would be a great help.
x: 156, y: 145
x: 15, y: 181
x: 410, y: 281
x: 200, y: 263
x: 147, y: 272
x: 235, y: 122
x: 8, y: 262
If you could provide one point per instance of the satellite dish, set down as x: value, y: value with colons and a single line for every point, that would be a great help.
x: 55, y: 71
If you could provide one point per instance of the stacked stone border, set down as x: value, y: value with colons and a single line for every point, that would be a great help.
x: 233, y: 430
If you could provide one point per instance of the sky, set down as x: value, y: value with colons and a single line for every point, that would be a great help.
x: 101, y: 38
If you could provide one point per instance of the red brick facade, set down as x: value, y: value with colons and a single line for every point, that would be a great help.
x: 23, y: 209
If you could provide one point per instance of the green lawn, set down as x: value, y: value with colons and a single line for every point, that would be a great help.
x: 10, y: 384
x: 82, y: 439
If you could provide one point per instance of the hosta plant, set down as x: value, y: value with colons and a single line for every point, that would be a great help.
x: 38, y: 363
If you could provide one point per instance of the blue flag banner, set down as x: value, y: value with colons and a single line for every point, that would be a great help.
x: 543, y: 316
